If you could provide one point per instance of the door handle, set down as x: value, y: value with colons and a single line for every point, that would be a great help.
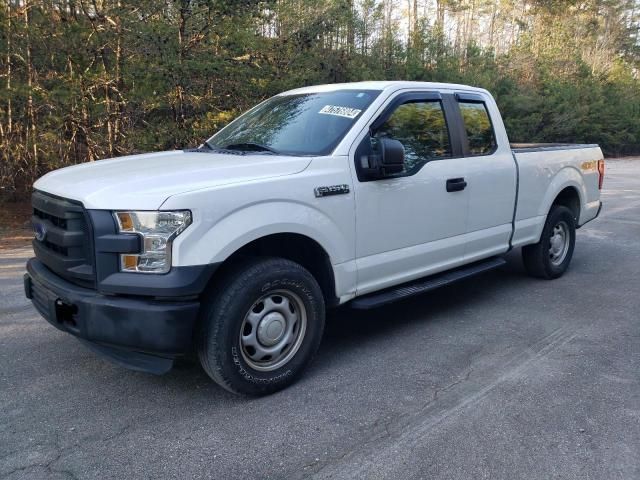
x: 456, y: 184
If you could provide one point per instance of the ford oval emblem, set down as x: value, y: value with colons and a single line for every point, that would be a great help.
x: 40, y: 231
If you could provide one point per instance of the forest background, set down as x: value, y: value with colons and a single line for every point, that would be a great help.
x: 82, y: 80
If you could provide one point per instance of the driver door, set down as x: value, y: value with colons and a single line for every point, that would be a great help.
x: 409, y: 225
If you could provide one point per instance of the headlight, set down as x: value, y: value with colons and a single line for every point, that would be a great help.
x: 157, y: 231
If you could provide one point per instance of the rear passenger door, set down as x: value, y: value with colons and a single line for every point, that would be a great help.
x: 490, y: 175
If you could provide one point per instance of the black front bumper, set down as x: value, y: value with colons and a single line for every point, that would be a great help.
x: 137, y: 332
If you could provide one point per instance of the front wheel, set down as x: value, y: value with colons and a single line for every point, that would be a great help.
x: 262, y: 326
x: 550, y: 257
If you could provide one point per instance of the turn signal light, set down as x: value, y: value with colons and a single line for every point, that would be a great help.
x: 129, y: 262
x: 600, y: 173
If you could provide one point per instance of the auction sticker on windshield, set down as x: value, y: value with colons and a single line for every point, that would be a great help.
x: 340, y: 111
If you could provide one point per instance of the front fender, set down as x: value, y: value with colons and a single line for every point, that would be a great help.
x: 215, y: 243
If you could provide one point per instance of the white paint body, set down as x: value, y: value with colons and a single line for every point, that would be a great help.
x: 381, y: 234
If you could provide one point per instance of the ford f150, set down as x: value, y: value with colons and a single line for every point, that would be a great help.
x: 361, y: 193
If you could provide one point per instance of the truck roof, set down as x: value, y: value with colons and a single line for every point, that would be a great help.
x: 383, y: 85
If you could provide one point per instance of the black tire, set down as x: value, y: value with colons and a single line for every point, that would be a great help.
x: 538, y: 258
x: 232, y: 299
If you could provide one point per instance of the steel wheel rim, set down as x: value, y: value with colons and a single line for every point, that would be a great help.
x: 273, y: 330
x: 559, y: 243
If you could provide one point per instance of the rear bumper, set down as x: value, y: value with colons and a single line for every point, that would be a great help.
x: 137, y: 332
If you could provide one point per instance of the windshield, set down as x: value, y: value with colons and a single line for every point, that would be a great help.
x: 298, y: 124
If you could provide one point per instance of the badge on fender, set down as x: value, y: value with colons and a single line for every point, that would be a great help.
x: 331, y: 190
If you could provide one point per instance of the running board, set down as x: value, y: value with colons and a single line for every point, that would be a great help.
x: 425, y: 284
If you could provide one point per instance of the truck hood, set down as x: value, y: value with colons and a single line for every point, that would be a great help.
x: 144, y: 182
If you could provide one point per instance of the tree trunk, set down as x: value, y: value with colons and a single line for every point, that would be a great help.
x: 416, y: 26
x: 351, y: 27
x: 118, y: 75
x: 31, y: 129
x: 9, y: 73
x: 182, y: 25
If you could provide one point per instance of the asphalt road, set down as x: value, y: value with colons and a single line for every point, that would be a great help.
x: 500, y: 377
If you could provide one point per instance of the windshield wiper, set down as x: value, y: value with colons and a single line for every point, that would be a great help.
x: 250, y: 147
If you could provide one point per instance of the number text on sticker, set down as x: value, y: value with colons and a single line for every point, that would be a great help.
x: 340, y: 111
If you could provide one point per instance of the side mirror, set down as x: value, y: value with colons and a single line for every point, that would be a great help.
x: 389, y: 161
x: 392, y: 156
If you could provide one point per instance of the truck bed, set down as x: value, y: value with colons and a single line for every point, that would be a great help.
x: 544, y: 170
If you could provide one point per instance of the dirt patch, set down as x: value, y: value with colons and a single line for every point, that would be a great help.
x: 15, y: 225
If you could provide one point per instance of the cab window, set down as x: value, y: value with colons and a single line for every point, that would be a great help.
x: 482, y: 140
x: 421, y: 127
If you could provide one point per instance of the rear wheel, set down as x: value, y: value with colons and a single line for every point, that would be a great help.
x: 550, y: 257
x: 261, y: 326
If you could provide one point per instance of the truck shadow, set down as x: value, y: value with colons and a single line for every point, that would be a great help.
x: 187, y: 388
x: 347, y: 328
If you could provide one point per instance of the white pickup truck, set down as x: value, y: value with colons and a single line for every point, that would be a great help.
x: 361, y: 193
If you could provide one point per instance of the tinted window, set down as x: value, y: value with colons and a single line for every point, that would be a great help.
x: 477, y: 123
x: 422, y: 129
x: 307, y: 124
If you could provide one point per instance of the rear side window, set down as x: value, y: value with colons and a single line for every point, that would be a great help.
x: 477, y: 123
x: 422, y: 130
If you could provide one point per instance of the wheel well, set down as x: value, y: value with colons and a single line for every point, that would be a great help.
x: 569, y: 198
x: 297, y: 248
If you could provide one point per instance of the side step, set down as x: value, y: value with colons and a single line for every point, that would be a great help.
x: 432, y: 282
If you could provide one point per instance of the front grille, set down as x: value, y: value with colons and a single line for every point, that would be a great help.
x: 64, y: 251
x: 66, y: 248
x: 58, y: 222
